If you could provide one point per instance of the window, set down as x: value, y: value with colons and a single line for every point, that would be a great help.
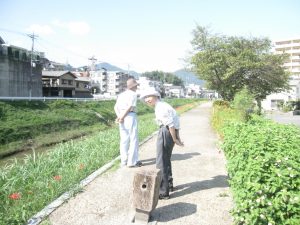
x: 70, y: 82
x: 64, y: 81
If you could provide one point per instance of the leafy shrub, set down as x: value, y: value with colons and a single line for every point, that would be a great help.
x: 244, y: 102
x: 221, y: 103
x: 263, y: 166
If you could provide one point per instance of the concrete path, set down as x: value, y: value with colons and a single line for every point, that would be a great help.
x: 201, y: 195
x: 284, y: 118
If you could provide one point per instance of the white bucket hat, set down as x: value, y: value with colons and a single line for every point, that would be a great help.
x: 149, y: 92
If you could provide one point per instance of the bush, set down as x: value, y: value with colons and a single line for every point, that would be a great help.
x: 263, y: 166
x: 222, y: 103
x: 244, y: 102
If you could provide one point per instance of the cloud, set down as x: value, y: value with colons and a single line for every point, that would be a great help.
x: 40, y: 29
x: 74, y: 27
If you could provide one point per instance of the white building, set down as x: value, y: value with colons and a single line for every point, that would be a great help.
x: 174, y: 91
x: 291, y: 47
x: 99, y: 81
x: 116, y: 82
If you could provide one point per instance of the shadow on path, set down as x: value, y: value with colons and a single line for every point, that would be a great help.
x: 173, y: 211
x: 184, y: 156
x: 175, y: 157
x: 185, y: 189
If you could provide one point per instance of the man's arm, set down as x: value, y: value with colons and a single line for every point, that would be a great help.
x: 124, y: 114
x: 174, y: 137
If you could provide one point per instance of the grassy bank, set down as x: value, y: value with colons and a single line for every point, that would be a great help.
x: 25, y: 188
x: 27, y: 125
x: 263, y: 166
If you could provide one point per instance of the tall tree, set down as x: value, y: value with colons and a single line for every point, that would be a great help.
x: 164, y: 77
x: 228, y: 64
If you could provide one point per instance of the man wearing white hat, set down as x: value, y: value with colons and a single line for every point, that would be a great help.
x: 168, y: 135
x: 125, y: 109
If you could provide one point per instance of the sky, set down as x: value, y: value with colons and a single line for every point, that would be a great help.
x: 139, y: 35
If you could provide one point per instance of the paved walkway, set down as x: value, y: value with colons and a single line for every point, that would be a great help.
x: 201, y: 195
x: 284, y: 118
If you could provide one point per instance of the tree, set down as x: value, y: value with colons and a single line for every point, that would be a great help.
x: 229, y: 64
x: 163, y: 77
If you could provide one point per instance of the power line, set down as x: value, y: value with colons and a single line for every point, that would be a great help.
x: 33, y: 37
x: 13, y: 31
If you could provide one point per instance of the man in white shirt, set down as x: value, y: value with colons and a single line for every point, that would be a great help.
x: 125, y: 109
x: 168, y: 135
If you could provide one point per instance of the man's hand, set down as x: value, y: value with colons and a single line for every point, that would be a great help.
x: 119, y: 120
x: 178, y: 142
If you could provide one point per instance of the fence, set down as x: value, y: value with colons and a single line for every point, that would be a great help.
x: 98, y: 98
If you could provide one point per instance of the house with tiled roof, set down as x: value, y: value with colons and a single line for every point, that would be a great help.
x: 65, y: 84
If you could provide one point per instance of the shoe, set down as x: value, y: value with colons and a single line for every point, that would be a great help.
x: 163, y: 196
x: 138, y: 164
x: 171, y: 187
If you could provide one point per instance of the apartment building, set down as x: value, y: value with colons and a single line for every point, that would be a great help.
x: 116, y: 82
x: 98, y: 81
x: 291, y: 47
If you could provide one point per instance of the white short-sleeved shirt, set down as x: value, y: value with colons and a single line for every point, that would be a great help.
x: 125, y: 100
x: 166, y: 115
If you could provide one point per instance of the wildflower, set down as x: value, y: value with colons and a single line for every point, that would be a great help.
x: 291, y: 175
x: 289, y: 168
x: 278, y: 161
x: 258, y: 200
x: 262, y: 216
x: 15, y: 196
x: 269, y: 203
x: 270, y: 224
x: 286, y: 158
x: 57, y: 177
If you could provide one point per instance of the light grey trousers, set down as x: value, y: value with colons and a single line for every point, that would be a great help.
x: 129, y: 143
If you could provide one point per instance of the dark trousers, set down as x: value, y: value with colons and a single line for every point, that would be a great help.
x: 164, y: 148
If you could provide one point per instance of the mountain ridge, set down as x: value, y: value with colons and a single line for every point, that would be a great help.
x: 187, y: 76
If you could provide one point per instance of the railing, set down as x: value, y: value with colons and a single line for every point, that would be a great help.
x: 98, y: 98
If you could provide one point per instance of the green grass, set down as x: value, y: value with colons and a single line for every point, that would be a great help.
x: 42, y: 178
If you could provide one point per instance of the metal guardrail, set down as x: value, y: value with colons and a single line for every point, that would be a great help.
x: 98, y: 98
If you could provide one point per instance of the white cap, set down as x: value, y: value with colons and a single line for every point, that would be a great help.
x: 149, y: 92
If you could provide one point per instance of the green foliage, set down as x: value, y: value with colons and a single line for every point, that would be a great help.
x: 223, y: 114
x: 163, y: 77
x: 263, y: 166
x: 222, y: 103
x: 244, y: 102
x: 29, y: 120
x: 229, y: 64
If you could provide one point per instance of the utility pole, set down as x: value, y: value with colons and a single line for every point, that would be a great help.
x: 93, y: 63
x: 32, y: 36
